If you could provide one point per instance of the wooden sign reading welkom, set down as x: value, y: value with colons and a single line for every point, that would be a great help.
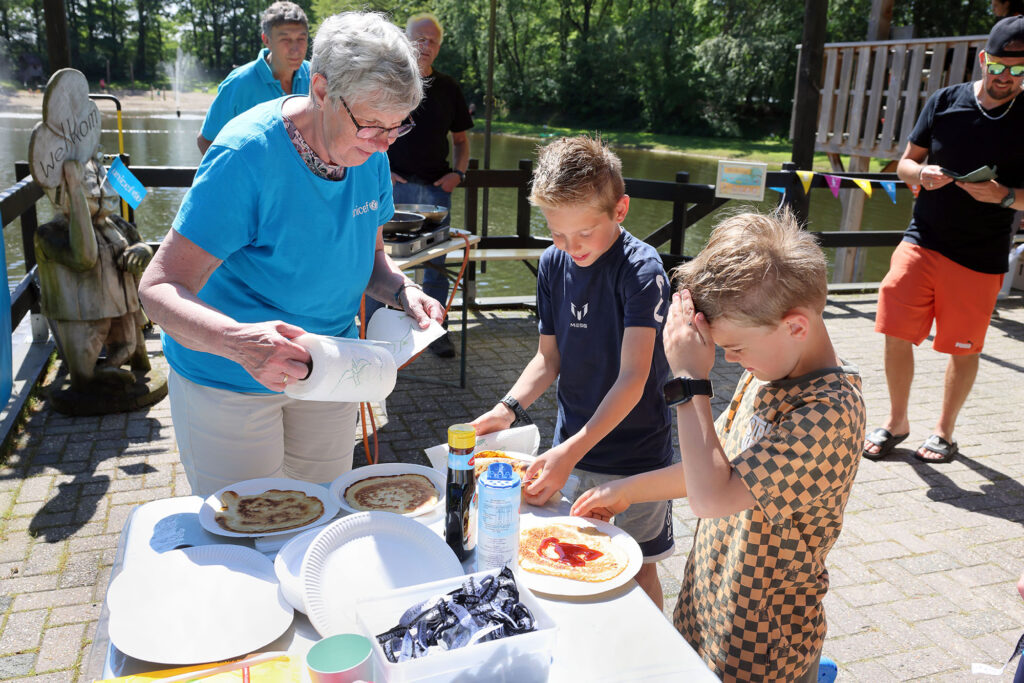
x: 70, y: 128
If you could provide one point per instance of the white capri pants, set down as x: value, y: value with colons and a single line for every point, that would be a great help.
x: 228, y: 436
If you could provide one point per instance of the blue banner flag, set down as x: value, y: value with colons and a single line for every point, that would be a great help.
x: 890, y: 189
x: 780, y: 190
x: 126, y: 184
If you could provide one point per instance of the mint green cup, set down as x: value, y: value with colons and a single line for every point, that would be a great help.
x: 342, y: 658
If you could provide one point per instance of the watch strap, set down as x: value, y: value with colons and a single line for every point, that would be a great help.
x: 679, y: 390
x: 1008, y: 200
x: 513, y: 405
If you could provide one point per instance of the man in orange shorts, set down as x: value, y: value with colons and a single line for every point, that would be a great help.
x: 949, y: 267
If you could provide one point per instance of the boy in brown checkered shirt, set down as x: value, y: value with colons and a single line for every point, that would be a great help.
x: 770, y: 479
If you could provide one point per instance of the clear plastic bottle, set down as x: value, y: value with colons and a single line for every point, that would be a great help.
x: 460, y: 491
x: 499, y: 491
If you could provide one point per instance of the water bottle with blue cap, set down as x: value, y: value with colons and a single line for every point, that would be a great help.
x: 499, y: 491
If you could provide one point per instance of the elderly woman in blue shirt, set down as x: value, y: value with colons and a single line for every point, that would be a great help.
x: 280, y: 234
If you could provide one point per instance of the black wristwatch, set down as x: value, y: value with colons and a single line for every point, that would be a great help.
x: 1008, y: 199
x: 521, y: 417
x: 462, y: 175
x: 680, y: 390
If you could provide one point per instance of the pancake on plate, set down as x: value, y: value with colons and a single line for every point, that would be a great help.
x: 272, y: 510
x: 577, y: 553
x: 484, y: 458
x: 406, y: 494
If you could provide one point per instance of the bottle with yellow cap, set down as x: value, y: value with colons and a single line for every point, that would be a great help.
x: 460, y: 508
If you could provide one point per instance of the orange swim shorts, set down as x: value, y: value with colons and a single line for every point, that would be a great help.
x: 922, y: 285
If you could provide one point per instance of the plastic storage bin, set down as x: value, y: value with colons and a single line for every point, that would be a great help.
x: 523, y: 658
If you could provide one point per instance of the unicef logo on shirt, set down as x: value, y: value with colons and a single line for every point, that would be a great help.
x: 368, y: 206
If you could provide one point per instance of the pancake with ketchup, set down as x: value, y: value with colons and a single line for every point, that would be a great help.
x: 577, y: 553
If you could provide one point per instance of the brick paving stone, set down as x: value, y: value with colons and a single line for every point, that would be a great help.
x: 918, y: 663
x: 74, y: 614
x: 22, y: 631
x: 61, y: 647
x: 44, y: 558
x: 60, y: 596
x: 55, y: 677
x: 15, y: 666
x: 80, y: 570
x: 13, y: 584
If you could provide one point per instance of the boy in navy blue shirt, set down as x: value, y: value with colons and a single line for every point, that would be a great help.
x: 602, y: 296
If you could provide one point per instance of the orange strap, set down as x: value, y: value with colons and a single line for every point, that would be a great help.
x: 365, y: 410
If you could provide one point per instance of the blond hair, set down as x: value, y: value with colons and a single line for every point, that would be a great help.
x: 755, y: 268
x: 577, y: 171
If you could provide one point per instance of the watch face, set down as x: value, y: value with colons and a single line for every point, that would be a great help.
x: 675, y: 392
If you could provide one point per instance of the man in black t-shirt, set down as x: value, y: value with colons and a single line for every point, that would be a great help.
x: 950, y: 265
x: 420, y: 170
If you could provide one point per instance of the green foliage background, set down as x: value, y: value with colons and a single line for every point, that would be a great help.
x: 721, y: 67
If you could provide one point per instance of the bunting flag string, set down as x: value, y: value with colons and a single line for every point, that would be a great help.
x: 834, y: 182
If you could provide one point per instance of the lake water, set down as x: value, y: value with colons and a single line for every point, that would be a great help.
x: 166, y: 140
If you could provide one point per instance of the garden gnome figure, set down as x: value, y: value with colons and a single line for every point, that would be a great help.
x: 89, y: 261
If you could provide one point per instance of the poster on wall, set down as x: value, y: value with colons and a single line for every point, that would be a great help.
x: 741, y: 180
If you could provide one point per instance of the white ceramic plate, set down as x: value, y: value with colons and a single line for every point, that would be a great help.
x: 388, y: 469
x: 253, y: 486
x: 288, y: 566
x: 367, y: 554
x: 557, y: 585
x: 196, y: 605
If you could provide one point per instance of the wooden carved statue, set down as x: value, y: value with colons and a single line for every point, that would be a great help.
x: 89, y: 261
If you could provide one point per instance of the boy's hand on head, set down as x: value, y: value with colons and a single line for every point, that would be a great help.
x: 602, y: 502
x: 547, y: 475
x: 687, y: 338
x: 494, y: 420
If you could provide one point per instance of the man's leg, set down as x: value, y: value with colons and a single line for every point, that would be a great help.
x: 899, y: 375
x: 960, y: 374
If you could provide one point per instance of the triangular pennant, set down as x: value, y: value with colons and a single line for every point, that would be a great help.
x: 916, y: 189
x: 863, y: 184
x: 806, y: 177
x: 890, y: 189
x: 833, y: 183
x: 780, y: 190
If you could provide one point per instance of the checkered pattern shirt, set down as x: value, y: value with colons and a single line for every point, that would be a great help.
x: 751, y: 597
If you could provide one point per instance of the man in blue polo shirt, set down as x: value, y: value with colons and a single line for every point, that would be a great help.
x: 280, y: 69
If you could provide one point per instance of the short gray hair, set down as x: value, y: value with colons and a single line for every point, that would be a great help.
x: 427, y: 16
x: 282, y: 12
x: 365, y: 58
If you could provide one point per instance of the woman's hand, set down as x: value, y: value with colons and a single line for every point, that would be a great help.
x: 687, y: 337
x: 603, y: 501
x: 267, y: 352
x: 421, y: 307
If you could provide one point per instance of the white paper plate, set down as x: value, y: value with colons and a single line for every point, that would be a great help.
x: 387, y: 469
x: 196, y: 605
x: 288, y: 567
x: 249, y: 487
x: 367, y: 554
x: 557, y: 585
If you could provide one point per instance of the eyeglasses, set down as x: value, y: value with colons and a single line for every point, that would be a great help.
x: 371, y: 132
x: 995, y: 68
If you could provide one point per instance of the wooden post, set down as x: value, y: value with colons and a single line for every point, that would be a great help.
x: 848, y: 267
x: 807, y: 95
x: 58, y: 46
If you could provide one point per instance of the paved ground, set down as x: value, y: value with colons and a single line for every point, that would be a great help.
x: 922, y: 577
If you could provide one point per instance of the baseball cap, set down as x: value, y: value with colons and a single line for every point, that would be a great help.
x: 1007, y: 31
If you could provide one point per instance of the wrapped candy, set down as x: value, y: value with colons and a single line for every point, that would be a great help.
x: 474, y: 613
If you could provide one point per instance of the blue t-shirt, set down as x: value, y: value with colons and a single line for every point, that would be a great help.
x: 295, y: 247
x: 588, y: 310
x: 247, y: 86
